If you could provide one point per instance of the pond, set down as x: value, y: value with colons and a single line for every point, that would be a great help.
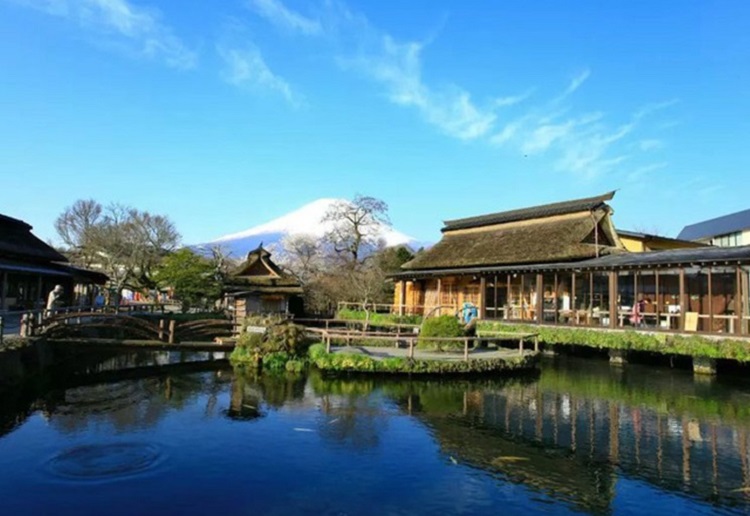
x: 184, y: 434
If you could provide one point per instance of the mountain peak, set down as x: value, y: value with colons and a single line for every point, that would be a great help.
x: 306, y: 220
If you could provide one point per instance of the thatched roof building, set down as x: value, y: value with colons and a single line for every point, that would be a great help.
x: 258, y: 285
x: 30, y: 268
x: 559, y: 232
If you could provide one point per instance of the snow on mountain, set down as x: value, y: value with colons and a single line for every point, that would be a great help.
x: 307, y: 220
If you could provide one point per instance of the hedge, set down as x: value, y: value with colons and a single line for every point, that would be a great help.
x: 694, y: 345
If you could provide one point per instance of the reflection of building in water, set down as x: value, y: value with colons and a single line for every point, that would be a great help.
x: 573, y: 446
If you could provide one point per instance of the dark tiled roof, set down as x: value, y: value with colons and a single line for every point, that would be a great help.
x: 546, y: 210
x: 719, y: 226
x: 18, y: 242
x: 543, y: 240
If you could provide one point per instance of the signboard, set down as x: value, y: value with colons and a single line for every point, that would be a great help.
x: 256, y: 329
x: 691, y: 321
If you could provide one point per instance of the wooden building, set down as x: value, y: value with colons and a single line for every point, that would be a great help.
x: 30, y: 269
x: 565, y: 263
x: 638, y: 242
x: 259, y: 286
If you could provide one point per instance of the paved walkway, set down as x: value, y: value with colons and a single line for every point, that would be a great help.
x: 380, y: 353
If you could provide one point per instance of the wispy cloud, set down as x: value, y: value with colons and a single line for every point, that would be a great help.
x: 246, y: 68
x: 135, y: 30
x: 398, y: 67
x: 278, y: 14
x: 587, y: 143
x: 575, y: 83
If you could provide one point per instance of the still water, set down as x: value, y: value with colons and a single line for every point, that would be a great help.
x: 174, y: 434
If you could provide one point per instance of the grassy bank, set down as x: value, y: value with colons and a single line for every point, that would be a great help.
x: 693, y: 346
x: 351, y: 362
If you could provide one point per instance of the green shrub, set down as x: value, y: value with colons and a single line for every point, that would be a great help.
x: 287, y: 337
x: 275, y: 361
x: 295, y: 366
x: 443, y: 326
x: 348, y: 314
x: 694, y: 345
x: 250, y: 341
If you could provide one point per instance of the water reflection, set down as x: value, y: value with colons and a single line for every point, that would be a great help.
x: 573, y: 435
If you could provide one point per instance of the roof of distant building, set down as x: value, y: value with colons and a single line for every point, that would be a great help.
x: 724, y: 225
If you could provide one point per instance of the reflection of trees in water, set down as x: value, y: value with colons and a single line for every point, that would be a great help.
x: 130, y: 404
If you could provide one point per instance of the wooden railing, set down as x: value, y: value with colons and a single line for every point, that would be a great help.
x: 329, y: 335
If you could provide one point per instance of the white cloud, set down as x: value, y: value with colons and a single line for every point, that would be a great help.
x: 278, y: 14
x: 137, y: 30
x: 246, y: 68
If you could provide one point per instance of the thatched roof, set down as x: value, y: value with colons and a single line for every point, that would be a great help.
x: 258, y: 273
x: 18, y: 242
x: 559, y: 238
x: 534, y: 212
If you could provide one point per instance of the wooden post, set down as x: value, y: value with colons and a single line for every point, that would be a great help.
x: 613, y: 299
x: 658, y: 302
x: 482, y: 297
x: 411, y: 348
x: 554, y: 297
x: 710, y: 301
x: 327, y: 337
x: 439, y: 296
x: 494, y: 292
x: 539, y: 298
x: 739, y: 309
x: 591, y: 297
x: 403, y: 297
x: 573, y: 305
x: 171, y: 331
x: 683, y: 304
x: 161, y: 330
x: 520, y: 346
x: 466, y: 350
x: 536, y: 343
x: 3, y: 291
x: 507, y: 294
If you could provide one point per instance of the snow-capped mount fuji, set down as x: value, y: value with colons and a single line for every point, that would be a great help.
x: 307, y: 220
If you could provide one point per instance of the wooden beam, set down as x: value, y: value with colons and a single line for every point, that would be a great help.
x: 554, y: 296
x: 4, y: 291
x: 683, y: 304
x: 439, y: 295
x: 402, y: 285
x: 482, y: 298
x: 738, y: 308
x: 539, y: 298
x: 494, y: 292
x: 507, y: 294
x: 710, y: 301
x: 658, y: 301
x: 612, y: 299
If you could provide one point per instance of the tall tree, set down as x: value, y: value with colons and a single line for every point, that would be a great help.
x: 356, y: 227
x: 192, y: 277
x: 126, y: 243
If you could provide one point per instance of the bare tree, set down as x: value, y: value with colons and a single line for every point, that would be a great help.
x: 75, y: 226
x: 303, y: 256
x: 127, y: 244
x: 356, y: 226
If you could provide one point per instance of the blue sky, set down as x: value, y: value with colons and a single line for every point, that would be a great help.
x: 224, y: 115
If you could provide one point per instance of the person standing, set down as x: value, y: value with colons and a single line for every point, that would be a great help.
x: 54, y: 299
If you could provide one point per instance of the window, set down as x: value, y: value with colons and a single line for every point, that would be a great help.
x: 728, y: 240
